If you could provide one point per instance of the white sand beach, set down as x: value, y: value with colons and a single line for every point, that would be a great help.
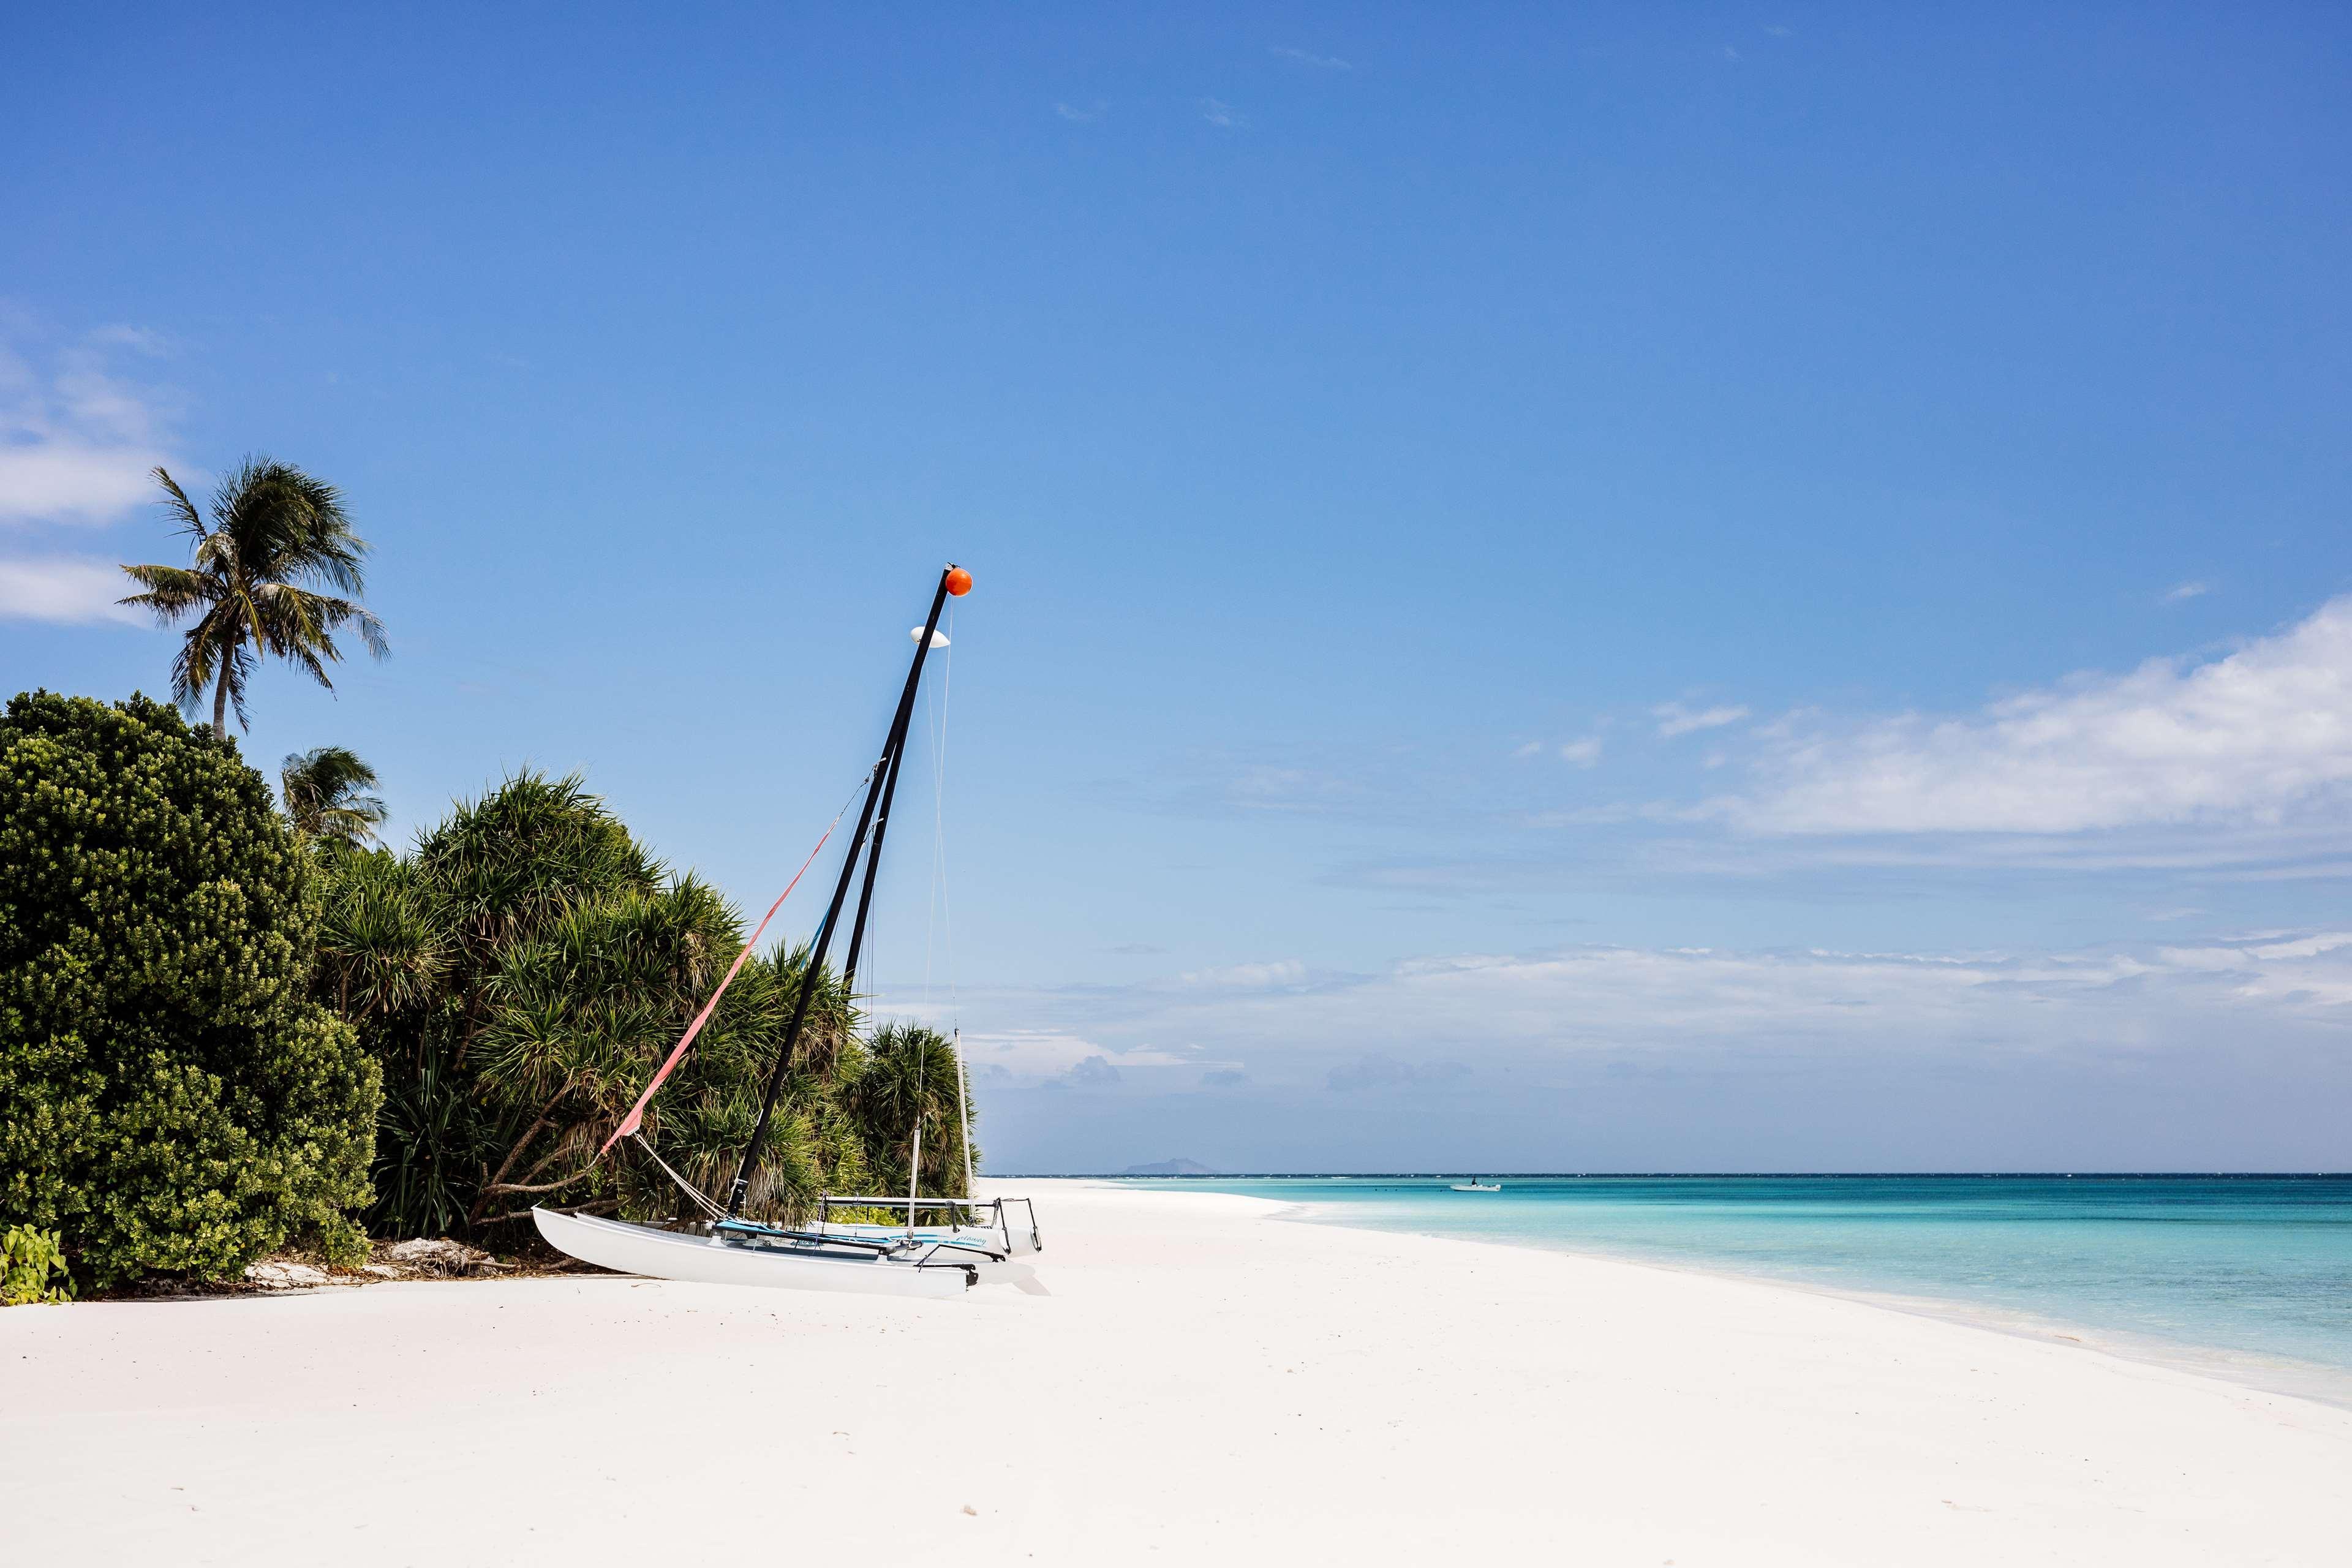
x: 1205, y: 1386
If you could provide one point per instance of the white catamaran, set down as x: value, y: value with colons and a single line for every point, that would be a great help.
x: 974, y: 1241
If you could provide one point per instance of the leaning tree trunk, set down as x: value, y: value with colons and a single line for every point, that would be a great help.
x: 220, y: 704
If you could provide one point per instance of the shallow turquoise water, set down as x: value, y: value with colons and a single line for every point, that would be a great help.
x: 2249, y: 1276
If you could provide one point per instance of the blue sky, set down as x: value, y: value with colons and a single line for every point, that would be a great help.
x: 1618, y: 587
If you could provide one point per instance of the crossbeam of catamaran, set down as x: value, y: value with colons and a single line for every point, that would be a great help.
x: 727, y: 1248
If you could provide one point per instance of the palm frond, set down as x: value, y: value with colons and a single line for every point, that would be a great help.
x: 240, y: 673
x: 306, y: 656
x: 202, y: 650
x: 173, y: 591
x: 176, y: 502
x: 324, y: 791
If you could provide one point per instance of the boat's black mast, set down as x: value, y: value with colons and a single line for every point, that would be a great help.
x: 873, y: 868
x: 812, y: 975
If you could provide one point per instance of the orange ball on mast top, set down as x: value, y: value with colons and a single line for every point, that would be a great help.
x: 959, y: 581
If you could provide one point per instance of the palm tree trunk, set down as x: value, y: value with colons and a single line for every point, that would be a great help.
x: 220, y: 704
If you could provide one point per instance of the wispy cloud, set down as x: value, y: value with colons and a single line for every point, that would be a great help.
x: 2185, y: 591
x: 64, y: 590
x: 1387, y: 1072
x: 1268, y: 787
x: 1395, y: 1024
x: 1581, y: 753
x: 2258, y: 737
x: 1217, y: 111
x: 1318, y: 62
x: 1038, y: 1054
x: 1674, y: 719
x: 1649, y: 1057
x: 76, y: 440
x: 1094, y: 1072
x: 1247, y: 976
x: 1084, y: 113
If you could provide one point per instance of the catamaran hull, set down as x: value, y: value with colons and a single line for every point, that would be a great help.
x: 675, y: 1255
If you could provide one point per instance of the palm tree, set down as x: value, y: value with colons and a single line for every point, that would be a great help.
x: 909, y: 1079
x: 274, y: 531
x: 323, y: 790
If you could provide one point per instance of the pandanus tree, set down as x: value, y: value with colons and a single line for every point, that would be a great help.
x: 325, y: 794
x: 414, y: 949
x: 522, y: 974
x: 586, y: 1012
x: 909, y: 1079
x: 253, y: 587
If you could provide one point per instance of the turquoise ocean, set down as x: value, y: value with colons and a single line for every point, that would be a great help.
x: 2247, y: 1277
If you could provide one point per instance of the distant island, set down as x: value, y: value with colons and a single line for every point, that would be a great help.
x: 1170, y: 1168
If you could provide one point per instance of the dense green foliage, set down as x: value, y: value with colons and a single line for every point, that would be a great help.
x: 523, y: 974
x: 909, y: 1079
x: 173, y: 1100
x: 223, y: 1031
x: 33, y: 1268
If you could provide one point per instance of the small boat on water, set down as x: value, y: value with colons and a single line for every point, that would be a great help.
x: 1475, y: 1186
x: 975, y: 1243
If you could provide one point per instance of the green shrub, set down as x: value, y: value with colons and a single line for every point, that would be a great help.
x: 522, y: 974
x: 29, y: 1261
x: 172, y: 1100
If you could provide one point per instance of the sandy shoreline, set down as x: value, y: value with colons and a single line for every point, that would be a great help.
x: 2248, y: 1370
x: 1201, y: 1381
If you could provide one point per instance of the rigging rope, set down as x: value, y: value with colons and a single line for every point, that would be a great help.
x: 943, y: 913
x: 964, y: 1113
x: 635, y: 1118
x: 688, y: 1188
x: 915, y: 1161
x: 941, y: 917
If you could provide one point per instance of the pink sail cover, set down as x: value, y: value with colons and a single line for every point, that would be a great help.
x: 635, y: 1118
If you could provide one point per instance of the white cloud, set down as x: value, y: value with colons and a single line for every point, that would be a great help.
x: 1674, y: 719
x: 1260, y: 787
x: 2255, y: 737
x: 2185, y: 591
x: 1532, y: 749
x: 1040, y: 1053
x: 1387, y: 1072
x: 67, y: 590
x: 2207, y: 1054
x: 1217, y: 111
x: 1247, y: 976
x: 1082, y: 113
x: 76, y: 441
x: 1582, y: 753
x: 1403, y: 1024
x: 1320, y: 62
